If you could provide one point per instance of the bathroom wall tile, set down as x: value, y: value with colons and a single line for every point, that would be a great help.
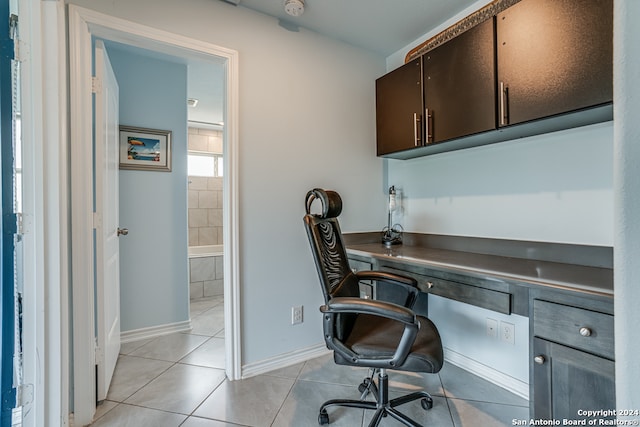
x: 207, y: 236
x: 215, y: 144
x: 214, y: 183
x: 219, y: 267
x: 193, y: 236
x: 213, y: 288
x: 192, y: 131
x: 198, y: 142
x: 198, y: 217
x: 214, y: 217
x: 196, y: 290
x: 193, y: 197
x: 209, y: 132
x: 220, y: 203
x: 220, y: 236
x: 202, y: 269
x: 207, y: 199
x: 198, y: 183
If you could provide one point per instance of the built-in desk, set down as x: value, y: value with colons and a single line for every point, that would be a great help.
x: 565, y: 290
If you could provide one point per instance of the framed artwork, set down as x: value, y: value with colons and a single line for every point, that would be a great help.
x: 145, y: 149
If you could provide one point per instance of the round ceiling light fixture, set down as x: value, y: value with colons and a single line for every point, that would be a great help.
x: 294, y: 7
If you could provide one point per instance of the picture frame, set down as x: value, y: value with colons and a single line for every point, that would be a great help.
x: 145, y: 149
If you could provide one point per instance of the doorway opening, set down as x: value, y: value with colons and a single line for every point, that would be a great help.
x: 83, y: 25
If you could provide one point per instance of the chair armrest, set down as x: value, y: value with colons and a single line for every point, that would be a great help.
x: 344, y: 305
x: 409, y: 284
x: 368, y: 306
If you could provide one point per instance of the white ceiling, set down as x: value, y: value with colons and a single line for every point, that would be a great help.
x: 382, y: 26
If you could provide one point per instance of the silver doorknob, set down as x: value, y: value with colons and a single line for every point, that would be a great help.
x: 123, y: 231
x: 539, y: 360
x: 585, y: 332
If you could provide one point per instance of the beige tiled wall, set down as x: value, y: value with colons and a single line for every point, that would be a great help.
x: 205, y: 194
x: 206, y: 276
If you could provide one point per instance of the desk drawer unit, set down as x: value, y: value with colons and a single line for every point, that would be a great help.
x: 582, y: 329
x: 474, y: 295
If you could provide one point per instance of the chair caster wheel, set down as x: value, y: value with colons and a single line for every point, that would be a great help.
x: 323, y: 418
x: 427, y: 403
x: 362, y: 388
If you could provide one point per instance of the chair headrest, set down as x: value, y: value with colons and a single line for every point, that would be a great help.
x: 331, y: 202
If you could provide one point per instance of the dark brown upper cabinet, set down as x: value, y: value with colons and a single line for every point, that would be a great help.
x: 399, y: 109
x: 537, y: 66
x: 459, y: 85
x: 554, y: 57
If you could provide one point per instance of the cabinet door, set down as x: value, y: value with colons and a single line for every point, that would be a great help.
x: 399, y: 109
x: 566, y: 380
x: 459, y: 83
x: 554, y: 56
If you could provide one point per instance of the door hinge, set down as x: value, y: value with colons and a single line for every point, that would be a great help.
x: 96, y: 85
x: 99, y: 354
x: 25, y: 395
x: 97, y: 220
x: 13, y: 26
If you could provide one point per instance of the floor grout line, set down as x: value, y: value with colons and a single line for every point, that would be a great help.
x: 452, y: 409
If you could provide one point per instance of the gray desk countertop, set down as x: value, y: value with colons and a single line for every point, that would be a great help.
x: 533, y: 272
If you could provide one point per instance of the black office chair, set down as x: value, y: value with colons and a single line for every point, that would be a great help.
x: 364, y: 332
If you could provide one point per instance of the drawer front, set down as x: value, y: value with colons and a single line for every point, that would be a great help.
x: 575, y: 327
x: 474, y: 295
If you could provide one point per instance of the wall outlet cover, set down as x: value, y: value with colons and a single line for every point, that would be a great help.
x: 508, y: 332
x: 296, y: 315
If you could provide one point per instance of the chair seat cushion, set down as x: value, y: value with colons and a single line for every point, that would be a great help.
x: 376, y: 337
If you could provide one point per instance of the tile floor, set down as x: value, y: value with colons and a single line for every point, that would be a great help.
x: 178, y: 380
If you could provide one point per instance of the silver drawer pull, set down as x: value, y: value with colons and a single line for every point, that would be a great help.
x: 585, y: 332
x: 539, y: 360
x: 429, y: 285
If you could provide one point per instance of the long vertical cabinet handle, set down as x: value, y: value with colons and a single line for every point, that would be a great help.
x: 503, y: 105
x: 427, y: 118
x: 416, y: 130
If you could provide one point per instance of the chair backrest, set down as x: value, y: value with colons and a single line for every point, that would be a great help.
x: 327, y: 245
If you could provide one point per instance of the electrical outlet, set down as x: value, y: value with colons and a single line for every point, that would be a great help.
x: 296, y: 315
x: 492, y: 328
x: 508, y: 332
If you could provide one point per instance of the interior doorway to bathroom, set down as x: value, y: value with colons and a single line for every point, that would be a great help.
x: 84, y: 26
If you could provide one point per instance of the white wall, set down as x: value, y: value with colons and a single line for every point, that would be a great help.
x: 556, y: 187
x: 307, y: 119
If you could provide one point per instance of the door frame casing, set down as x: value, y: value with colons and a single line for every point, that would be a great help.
x: 83, y: 24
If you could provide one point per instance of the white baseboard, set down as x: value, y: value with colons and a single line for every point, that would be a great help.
x: 488, y: 373
x: 283, y: 360
x: 154, y: 331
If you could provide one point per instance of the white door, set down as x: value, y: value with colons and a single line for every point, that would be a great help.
x: 106, y: 223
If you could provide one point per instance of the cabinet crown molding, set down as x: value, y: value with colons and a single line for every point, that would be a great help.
x: 487, y: 12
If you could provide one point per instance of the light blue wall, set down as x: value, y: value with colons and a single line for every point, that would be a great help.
x: 556, y: 187
x: 306, y: 119
x: 153, y: 205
